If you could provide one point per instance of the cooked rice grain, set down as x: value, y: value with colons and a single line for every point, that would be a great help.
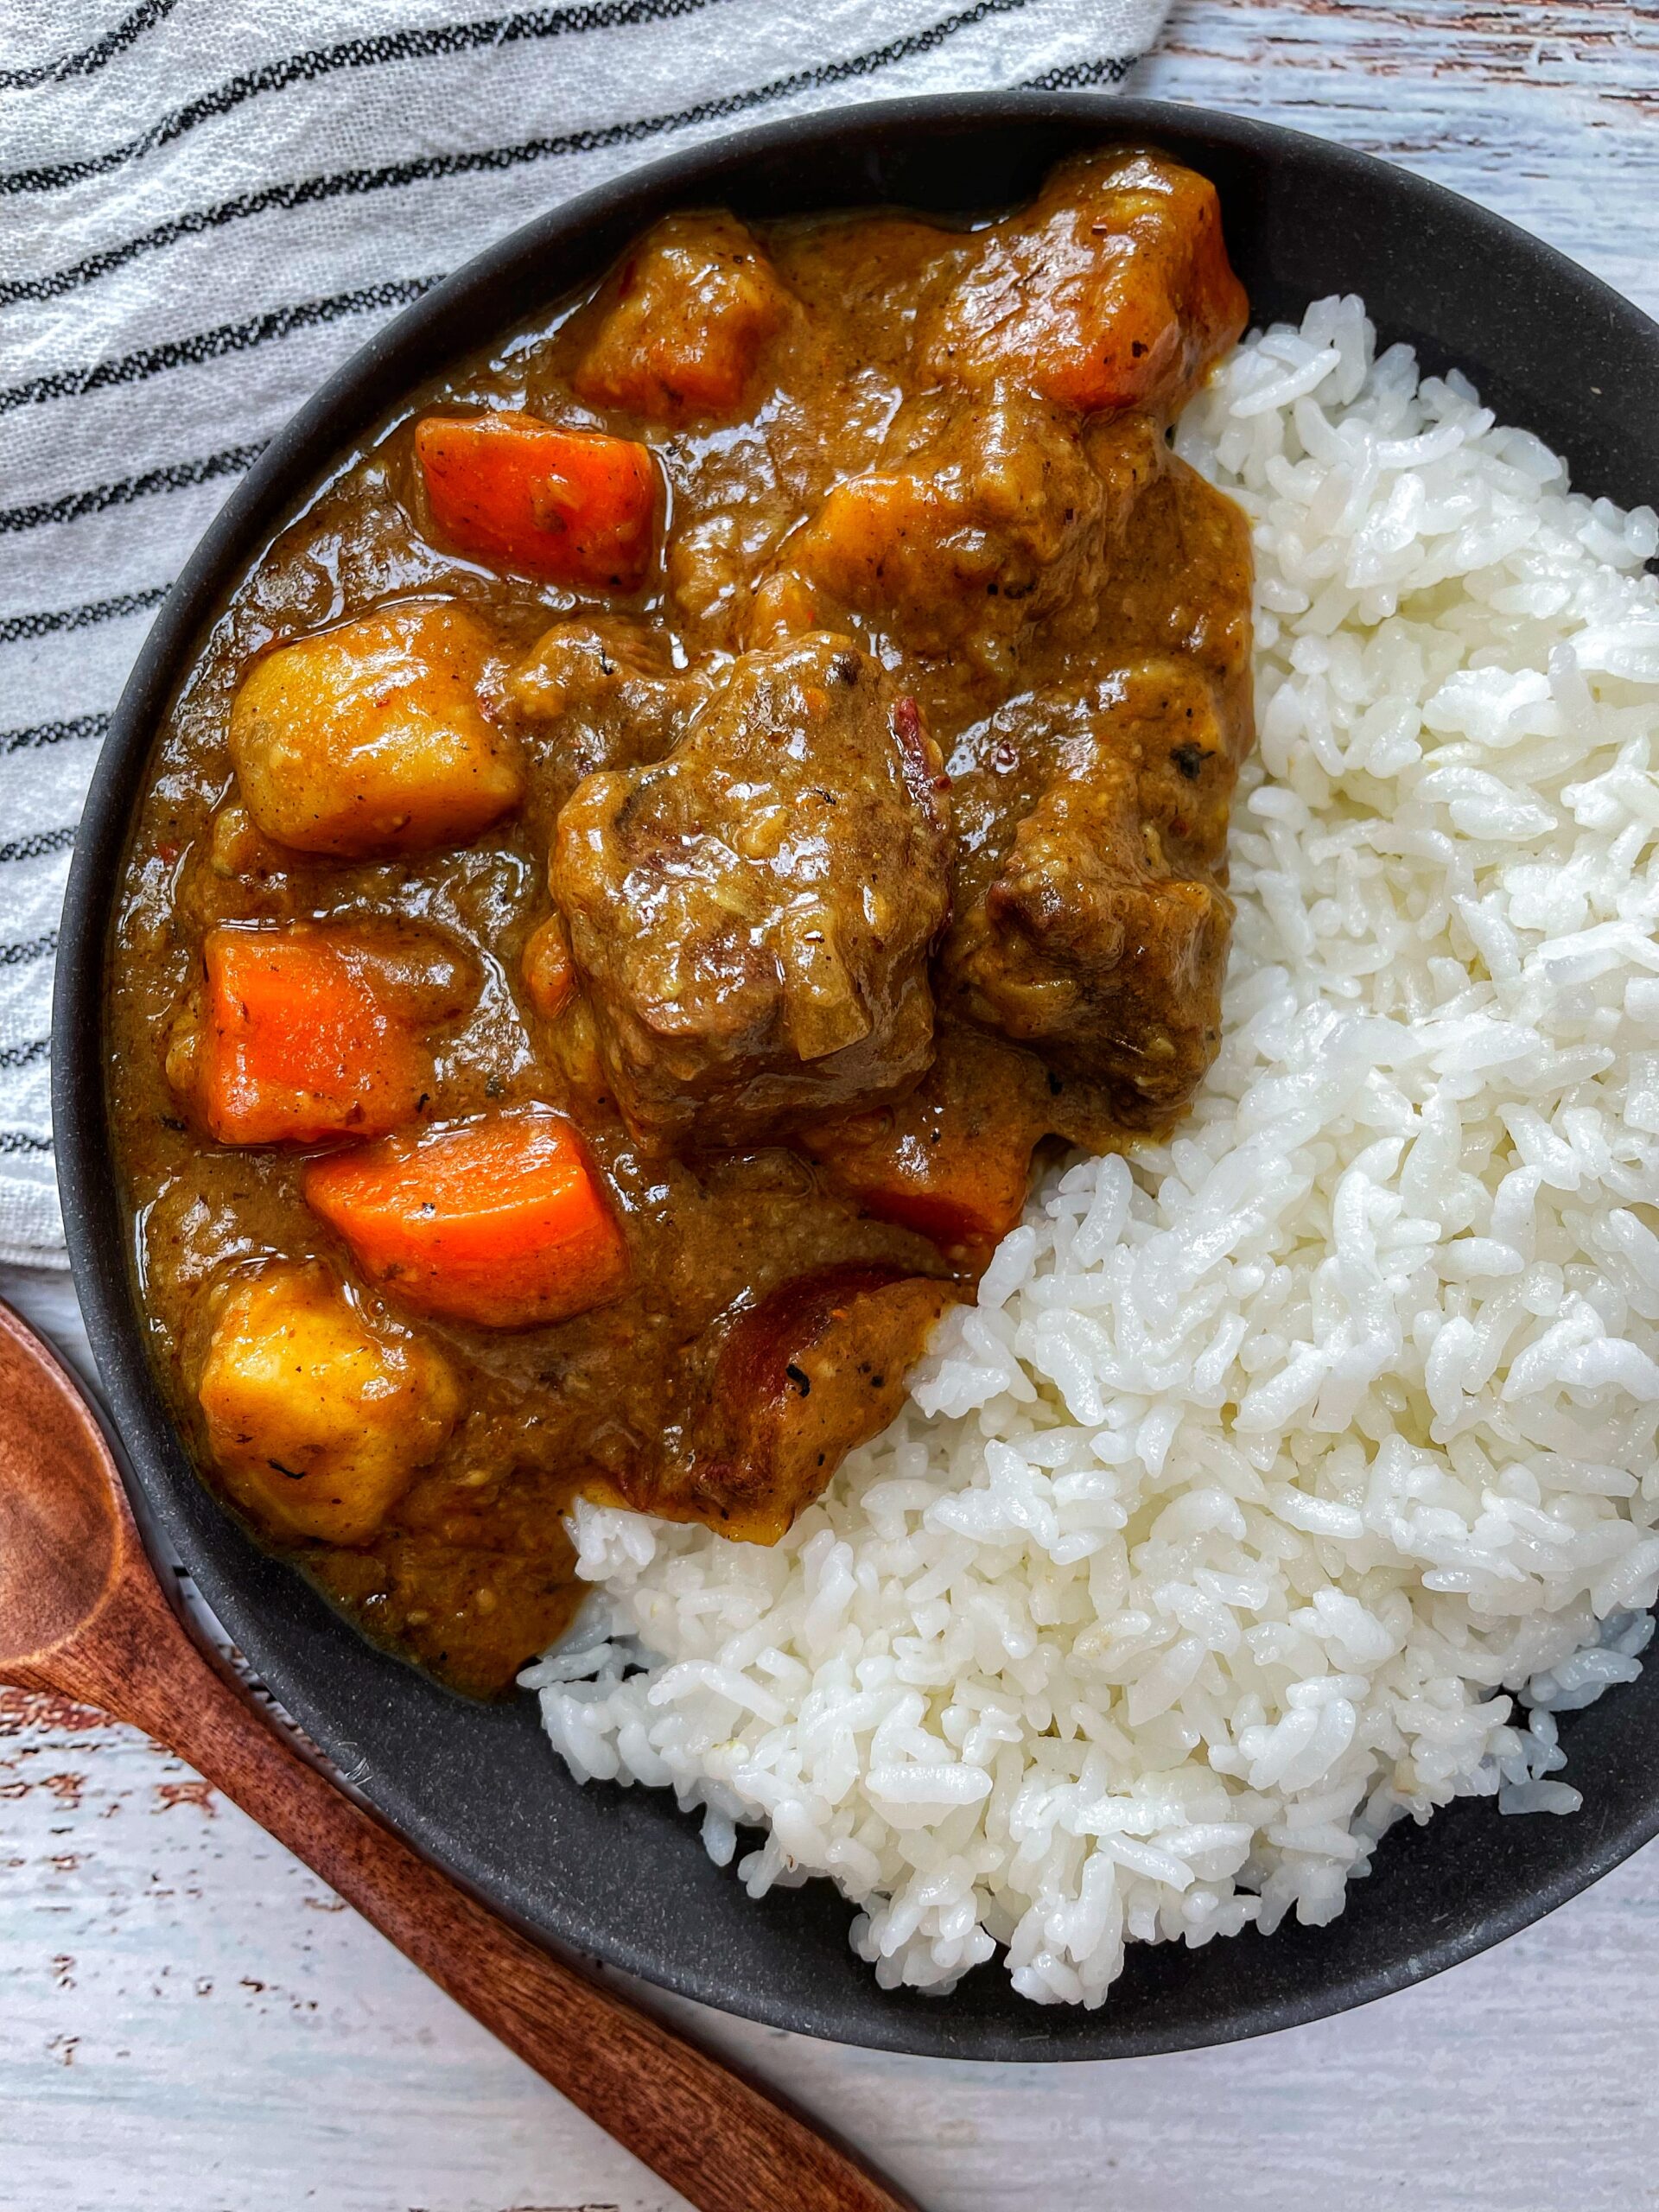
x: 1269, y: 1464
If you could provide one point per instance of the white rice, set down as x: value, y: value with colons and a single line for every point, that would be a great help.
x: 1210, y: 1541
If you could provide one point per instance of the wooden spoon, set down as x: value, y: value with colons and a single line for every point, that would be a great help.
x: 81, y: 1612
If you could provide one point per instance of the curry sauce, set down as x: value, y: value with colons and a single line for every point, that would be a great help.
x: 649, y: 857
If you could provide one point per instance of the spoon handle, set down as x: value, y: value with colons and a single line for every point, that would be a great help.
x: 723, y: 2143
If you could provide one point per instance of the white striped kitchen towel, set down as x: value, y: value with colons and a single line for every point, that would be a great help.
x: 206, y: 205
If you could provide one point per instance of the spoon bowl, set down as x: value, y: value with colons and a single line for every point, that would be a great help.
x: 64, y: 1516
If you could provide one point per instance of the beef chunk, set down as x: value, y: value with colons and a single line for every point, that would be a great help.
x: 1113, y: 289
x: 752, y: 916
x: 993, y: 511
x: 684, y: 321
x: 597, y: 692
x: 1180, y: 583
x: 1090, y: 923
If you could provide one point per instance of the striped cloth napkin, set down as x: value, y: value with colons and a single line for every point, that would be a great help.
x: 207, y: 207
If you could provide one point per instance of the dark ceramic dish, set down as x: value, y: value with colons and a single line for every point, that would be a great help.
x: 622, y: 1874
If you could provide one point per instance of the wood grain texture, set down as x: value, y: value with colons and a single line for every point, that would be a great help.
x: 1547, y: 113
x: 189, y: 2021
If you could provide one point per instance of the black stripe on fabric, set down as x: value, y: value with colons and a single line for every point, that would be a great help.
x: 25, y: 1056
x: 40, y: 847
x: 177, y: 476
x: 413, y: 45
x: 213, y: 345
x: 1110, y: 69
x: 90, y: 58
x: 45, y: 620
x: 17, y: 1140
x: 36, y: 948
x: 64, y: 733
x: 353, y: 183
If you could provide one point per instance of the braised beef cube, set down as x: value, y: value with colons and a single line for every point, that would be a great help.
x: 586, y: 665
x: 1089, y: 921
x: 992, y: 513
x: 594, y: 693
x: 1113, y: 289
x: 752, y: 916
x: 1115, y: 973
x: 1181, y: 584
x: 685, y: 321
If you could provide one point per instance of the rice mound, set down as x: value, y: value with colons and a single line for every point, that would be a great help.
x: 1292, y: 1476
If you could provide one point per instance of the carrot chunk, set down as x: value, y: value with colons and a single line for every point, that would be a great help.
x: 1112, y: 289
x: 571, y: 505
x: 952, y: 1161
x: 296, y: 1044
x: 502, y: 1220
x: 962, y: 1194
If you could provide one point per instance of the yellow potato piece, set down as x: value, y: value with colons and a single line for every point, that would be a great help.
x: 369, y: 738
x: 317, y: 1423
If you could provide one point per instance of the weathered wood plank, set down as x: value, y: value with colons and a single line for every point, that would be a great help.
x: 177, y: 1995
x: 1548, y: 113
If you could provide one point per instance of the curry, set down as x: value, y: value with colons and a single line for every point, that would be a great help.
x: 650, y: 857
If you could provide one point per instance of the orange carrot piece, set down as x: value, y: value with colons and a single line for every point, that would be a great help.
x: 295, y: 1044
x: 502, y: 1220
x: 571, y: 505
x: 953, y: 1159
x: 961, y: 1193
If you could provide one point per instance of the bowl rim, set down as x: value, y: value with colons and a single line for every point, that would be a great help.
x: 96, y: 1234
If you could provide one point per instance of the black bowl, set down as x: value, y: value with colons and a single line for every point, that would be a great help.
x: 622, y: 1875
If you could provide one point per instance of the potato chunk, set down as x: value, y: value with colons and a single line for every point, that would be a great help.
x: 370, y: 738
x: 690, y: 309
x: 317, y: 1422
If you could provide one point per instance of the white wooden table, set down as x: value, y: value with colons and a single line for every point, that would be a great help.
x: 190, y: 2023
